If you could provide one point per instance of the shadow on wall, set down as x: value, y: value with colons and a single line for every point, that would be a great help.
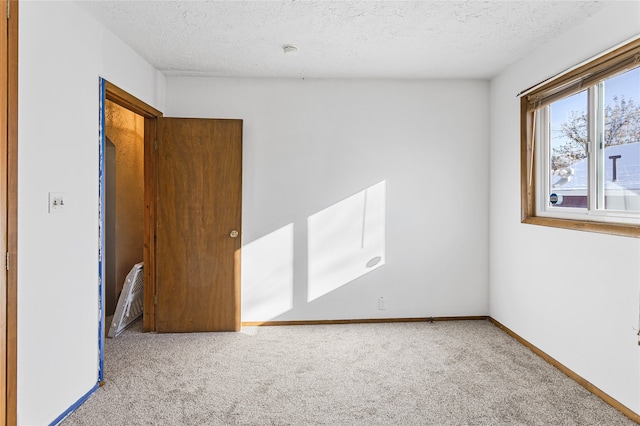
x: 345, y: 241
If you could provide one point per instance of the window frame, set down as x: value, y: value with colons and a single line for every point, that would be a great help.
x: 574, y: 80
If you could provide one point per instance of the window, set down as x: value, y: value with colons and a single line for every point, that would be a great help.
x: 580, y: 149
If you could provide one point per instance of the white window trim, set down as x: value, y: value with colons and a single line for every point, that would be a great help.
x: 595, y: 191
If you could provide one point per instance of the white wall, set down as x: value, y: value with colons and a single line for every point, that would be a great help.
x: 309, y: 144
x: 63, y: 52
x: 573, y: 294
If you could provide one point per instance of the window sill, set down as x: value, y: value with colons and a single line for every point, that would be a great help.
x: 623, y: 230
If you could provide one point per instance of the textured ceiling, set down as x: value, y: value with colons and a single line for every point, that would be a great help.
x: 343, y: 39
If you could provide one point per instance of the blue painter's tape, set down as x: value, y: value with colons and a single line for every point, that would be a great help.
x: 101, y: 195
x: 73, y: 408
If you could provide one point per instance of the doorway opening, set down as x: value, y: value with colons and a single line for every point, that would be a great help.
x: 123, y: 199
x: 127, y: 201
x: 192, y: 189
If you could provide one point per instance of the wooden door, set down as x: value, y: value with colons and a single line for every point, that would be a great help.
x: 198, y: 225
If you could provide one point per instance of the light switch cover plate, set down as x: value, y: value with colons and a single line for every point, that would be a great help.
x: 56, y: 202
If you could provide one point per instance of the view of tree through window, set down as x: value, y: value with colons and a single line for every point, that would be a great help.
x: 569, y: 137
x: 569, y: 131
x: 616, y: 141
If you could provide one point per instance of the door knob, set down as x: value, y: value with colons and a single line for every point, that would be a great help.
x: 233, y: 234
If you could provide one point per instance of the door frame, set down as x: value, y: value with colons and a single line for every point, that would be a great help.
x: 151, y: 115
x: 118, y: 96
x: 9, y: 213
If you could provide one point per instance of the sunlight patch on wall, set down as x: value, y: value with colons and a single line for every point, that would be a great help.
x: 346, y: 240
x: 267, y: 279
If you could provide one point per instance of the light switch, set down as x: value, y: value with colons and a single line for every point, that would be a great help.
x: 56, y: 202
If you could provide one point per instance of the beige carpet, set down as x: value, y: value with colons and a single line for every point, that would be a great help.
x: 442, y: 373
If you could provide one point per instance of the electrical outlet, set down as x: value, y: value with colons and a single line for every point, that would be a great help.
x: 56, y: 202
x: 382, y: 303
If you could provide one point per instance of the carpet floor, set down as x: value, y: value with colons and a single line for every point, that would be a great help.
x: 441, y: 373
